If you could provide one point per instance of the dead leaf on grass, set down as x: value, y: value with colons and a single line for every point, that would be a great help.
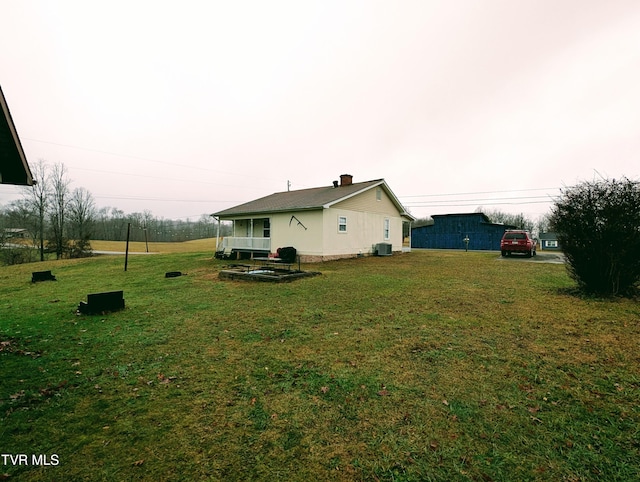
x: 17, y: 395
x: 165, y: 380
x: 138, y: 463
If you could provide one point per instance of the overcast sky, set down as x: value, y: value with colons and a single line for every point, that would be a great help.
x: 186, y: 108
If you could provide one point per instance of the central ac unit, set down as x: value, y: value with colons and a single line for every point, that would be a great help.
x: 383, y: 249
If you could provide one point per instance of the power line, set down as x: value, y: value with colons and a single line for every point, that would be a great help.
x: 493, y: 200
x: 475, y: 204
x: 137, y: 198
x: 148, y: 159
x: 147, y: 176
x: 481, y: 192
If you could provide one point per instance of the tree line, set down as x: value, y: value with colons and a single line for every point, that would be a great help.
x: 63, y: 221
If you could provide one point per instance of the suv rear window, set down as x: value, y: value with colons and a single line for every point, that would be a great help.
x: 515, y: 236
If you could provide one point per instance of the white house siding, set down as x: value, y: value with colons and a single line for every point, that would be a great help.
x: 364, y: 231
x: 287, y: 232
x: 366, y: 214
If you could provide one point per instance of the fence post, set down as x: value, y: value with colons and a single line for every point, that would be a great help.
x: 126, y: 253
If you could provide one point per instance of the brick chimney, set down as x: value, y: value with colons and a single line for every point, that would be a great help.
x: 346, y: 180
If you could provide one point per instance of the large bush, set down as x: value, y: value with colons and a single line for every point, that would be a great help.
x: 598, y: 227
x: 16, y: 255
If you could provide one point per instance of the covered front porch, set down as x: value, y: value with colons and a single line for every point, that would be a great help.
x: 251, y: 237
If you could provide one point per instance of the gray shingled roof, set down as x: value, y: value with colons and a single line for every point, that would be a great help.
x: 300, y: 200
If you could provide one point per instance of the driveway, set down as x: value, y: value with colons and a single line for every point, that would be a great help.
x: 553, y: 257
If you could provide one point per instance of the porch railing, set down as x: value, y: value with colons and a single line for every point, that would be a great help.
x: 232, y: 242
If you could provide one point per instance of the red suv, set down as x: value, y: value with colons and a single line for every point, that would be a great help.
x: 517, y: 241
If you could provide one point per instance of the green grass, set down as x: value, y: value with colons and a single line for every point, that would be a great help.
x: 427, y: 366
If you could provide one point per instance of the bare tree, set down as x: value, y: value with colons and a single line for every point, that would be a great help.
x: 20, y: 214
x: 119, y: 225
x: 544, y: 223
x: 519, y: 220
x: 38, y: 198
x: 58, y: 208
x: 4, y: 224
x: 82, y: 213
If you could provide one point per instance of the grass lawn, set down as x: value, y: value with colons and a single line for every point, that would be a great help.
x: 432, y: 365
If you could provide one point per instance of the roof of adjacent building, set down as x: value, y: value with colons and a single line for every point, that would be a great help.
x: 13, y: 163
x: 308, y: 199
x: 485, y: 218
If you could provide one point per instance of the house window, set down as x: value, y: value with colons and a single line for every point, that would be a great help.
x: 552, y: 244
x: 378, y: 194
x: 386, y: 228
x: 266, y: 229
x: 342, y: 224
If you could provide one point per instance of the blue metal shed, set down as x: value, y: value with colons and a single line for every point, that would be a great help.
x: 449, y: 231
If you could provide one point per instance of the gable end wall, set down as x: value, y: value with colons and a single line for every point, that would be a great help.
x: 367, y: 202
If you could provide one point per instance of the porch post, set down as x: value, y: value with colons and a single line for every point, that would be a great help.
x: 217, y: 235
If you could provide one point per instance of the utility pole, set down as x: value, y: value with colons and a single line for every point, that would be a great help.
x: 146, y: 237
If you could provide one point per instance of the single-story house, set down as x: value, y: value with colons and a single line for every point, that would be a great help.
x: 342, y: 220
x: 449, y: 231
x: 13, y: 163
x: 15, y: 233
x: 549, y: 241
